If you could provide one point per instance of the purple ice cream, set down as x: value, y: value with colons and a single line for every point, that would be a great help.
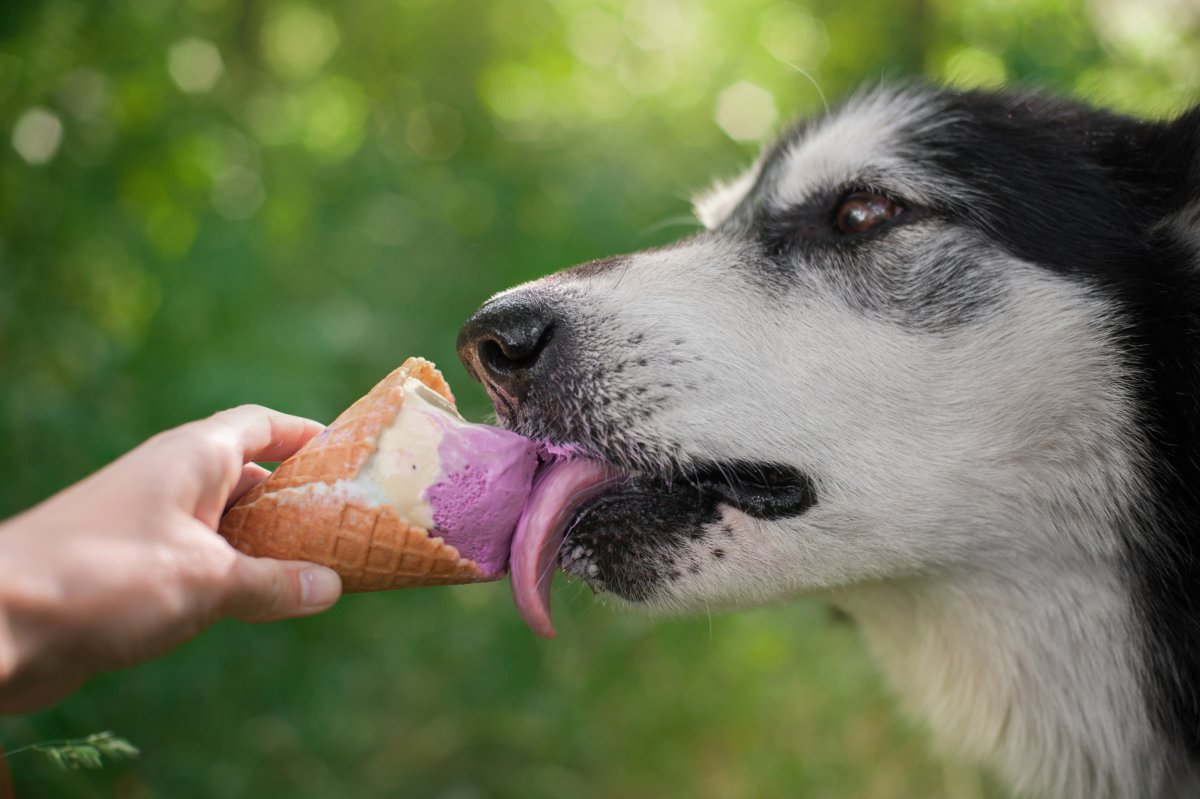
x: 486, y: 476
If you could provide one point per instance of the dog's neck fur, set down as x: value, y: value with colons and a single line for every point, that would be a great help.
x: 1030, y: 672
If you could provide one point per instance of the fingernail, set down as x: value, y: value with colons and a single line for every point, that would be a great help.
x: 319, y: 587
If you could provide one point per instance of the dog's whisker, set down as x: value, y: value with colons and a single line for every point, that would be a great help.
x: 595, y: 601
x: 708, y: 612
x: 552, y: 565
x: 813, y: 81
x: 672, y: 221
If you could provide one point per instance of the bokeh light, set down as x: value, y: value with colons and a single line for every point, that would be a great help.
x: 745, y: 111
x: 37, y: 135
x: 195, y: 65
x: 298, y: 39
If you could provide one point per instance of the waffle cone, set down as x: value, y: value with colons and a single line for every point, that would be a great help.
x: 298, y: 514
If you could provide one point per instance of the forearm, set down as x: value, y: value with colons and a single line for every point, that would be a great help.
x: 35, y: 669
x: 9, y: 667
x: 8, y: 654
x: 17, y: 684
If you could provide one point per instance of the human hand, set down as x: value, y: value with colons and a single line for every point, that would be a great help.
x: 127, y: 563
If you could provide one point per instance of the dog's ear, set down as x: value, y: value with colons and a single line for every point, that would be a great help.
x: 1158, y: 164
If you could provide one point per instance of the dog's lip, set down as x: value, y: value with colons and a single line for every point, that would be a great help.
x: 564, y: 484
x: 569, y: 479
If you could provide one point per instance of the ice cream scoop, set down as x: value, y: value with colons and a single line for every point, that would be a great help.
x: 399, y: 491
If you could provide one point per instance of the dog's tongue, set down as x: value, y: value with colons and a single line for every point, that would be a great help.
x: 560, y: 488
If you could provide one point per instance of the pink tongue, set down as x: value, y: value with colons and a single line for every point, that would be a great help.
x: 560, y: 488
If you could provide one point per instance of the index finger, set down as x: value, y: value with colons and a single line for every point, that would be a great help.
x: 266, y: 435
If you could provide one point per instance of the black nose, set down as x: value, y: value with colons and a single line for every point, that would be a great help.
x: 500, y: 345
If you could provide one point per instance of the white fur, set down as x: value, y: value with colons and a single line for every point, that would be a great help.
x: 861, y: 146
x: 719, y: 201
x: 856, y: 147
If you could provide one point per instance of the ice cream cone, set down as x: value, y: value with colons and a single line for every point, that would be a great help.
x: 311, y: 507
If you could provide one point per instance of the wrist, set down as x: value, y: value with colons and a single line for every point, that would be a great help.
x: 8, y: 643
x: 24, y: 644
x: 8, y: 650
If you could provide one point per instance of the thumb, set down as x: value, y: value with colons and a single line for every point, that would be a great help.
x: 264, y: 589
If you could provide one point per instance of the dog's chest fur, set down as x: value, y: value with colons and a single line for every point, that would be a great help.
x: 1032, y: 674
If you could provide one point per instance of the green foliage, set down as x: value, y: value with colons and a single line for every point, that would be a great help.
x: 210, y: 202
x: 83, y: 753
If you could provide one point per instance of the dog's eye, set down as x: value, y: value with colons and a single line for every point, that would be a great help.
x: 861, y: 211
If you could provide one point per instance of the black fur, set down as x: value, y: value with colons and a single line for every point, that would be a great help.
x: 1092, y: 194
x: 1100, y: 198
x: 633, y: 537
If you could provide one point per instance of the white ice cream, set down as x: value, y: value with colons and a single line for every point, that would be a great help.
x: 406, y: 461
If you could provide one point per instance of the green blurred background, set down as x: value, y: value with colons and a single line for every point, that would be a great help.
x: 212, y: 202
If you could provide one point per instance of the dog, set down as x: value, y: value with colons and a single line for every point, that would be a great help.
x: 935, y: 358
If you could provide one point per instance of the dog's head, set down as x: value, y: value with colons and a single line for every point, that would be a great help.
x: 899, y: 345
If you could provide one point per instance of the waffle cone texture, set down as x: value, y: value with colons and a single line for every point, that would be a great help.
x: 297, y: 513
